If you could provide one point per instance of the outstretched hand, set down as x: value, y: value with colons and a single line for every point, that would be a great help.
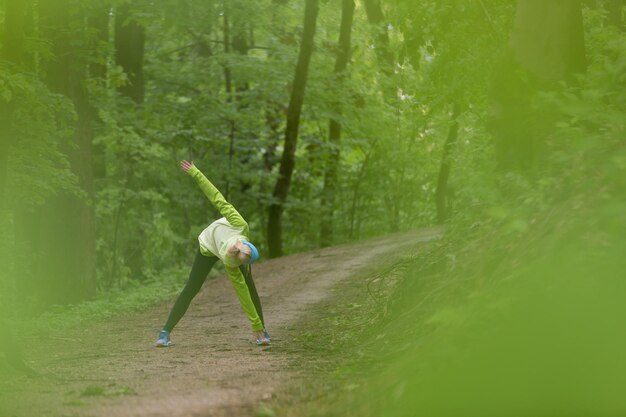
x: 186, y: 165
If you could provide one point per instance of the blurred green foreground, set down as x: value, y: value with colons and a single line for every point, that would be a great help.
x: 503, y: 120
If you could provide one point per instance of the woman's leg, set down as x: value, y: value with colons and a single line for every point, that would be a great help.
x: 246, y: 270
x: 201, y: 267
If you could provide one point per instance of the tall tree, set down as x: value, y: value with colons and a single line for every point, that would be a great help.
x: 334, y: 128
x: 546, y: 48
x: 614, y: 11
x: 11, y: 39
x: 98, y: 24
x: 287, y: 162
x: 11, y: 52
x: 235, y: 38
x: 130, y: 40
x: 444, y: 167
x: 64, y: 228
x: 376, y: 18
x: 228, y: 81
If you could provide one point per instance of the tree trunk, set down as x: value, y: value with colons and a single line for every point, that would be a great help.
x: 548, y: 38
x: 444, y: 168
x: 129, y: 40
x: 98, y: 70
x: 227, y: 72
x: 235, y: 37
x: 65, y: 272
x: 274, y: 113
x: 334, y: 129
x: 13, y: 36
x: 614, y: 8
x: 11, y: 39
x: 5, y: 137
x: 377, y: 20
x: 546, y: 47
x: 356, y: 196
x: 287, y: 162
x: 129, y: 48
x: 229, y: 99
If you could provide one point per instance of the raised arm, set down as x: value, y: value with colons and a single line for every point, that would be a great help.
x: 213, y: 194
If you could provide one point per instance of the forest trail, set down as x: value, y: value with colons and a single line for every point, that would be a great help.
x: 213, y: 369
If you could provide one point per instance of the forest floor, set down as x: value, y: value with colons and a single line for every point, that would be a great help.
x: 113, y: 369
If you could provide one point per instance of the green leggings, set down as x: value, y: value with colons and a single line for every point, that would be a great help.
x: 201, y: 267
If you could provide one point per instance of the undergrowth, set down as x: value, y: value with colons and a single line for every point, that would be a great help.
x: 489, y: 321
x: 106, y: 305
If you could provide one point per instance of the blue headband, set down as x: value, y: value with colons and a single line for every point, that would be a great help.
x: 255, y: 253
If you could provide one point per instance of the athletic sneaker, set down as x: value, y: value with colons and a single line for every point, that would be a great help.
x: 164, y: 339
x: 263, y: 341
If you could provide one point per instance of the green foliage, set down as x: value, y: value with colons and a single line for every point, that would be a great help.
x: 516, y: 310
x: 134, y: 298
x: 39, y: 169
x: 511, y: 234
x: 519, y: 304
x: 147, y: 213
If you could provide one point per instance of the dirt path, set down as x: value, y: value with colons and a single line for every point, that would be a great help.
x: 213, y: 369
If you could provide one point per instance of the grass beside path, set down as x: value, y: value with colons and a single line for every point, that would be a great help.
x: 497, y: 325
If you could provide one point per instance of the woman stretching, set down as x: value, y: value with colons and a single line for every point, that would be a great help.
x: 225, y: 239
